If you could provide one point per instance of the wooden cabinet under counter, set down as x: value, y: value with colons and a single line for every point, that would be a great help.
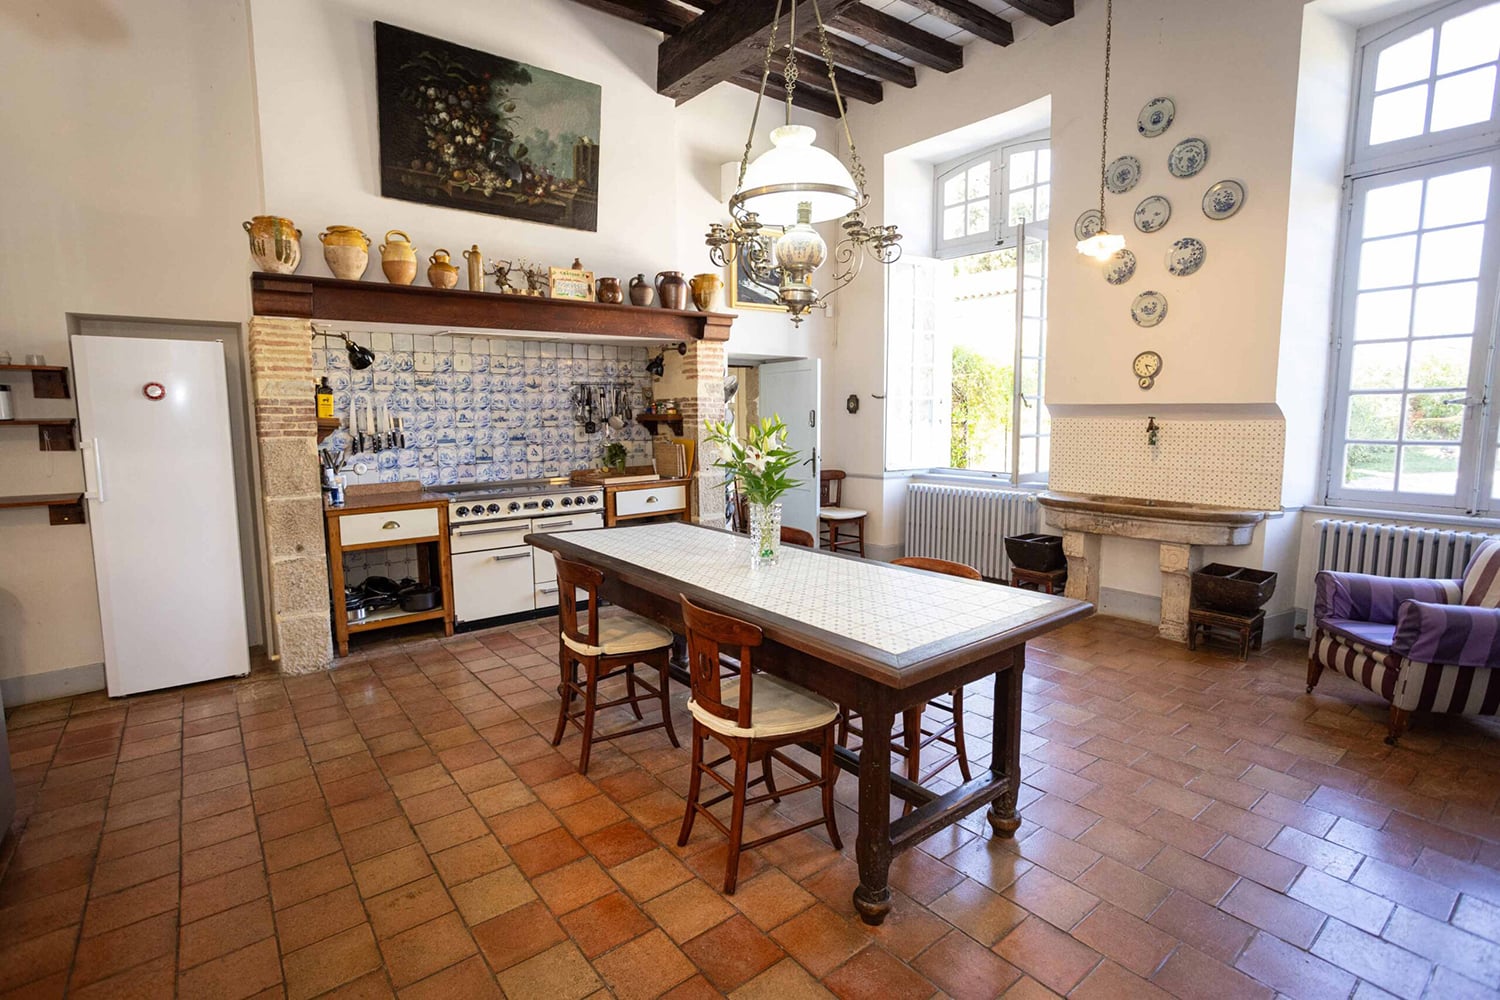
x: 643, y: 499
x: 387, y: 519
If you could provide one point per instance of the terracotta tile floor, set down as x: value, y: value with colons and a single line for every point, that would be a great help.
x: 1193, y: 827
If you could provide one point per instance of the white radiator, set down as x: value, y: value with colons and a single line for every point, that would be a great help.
x: 967, y: 524
x: 1390, y: 550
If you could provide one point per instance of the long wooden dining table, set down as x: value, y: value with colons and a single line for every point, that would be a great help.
x: 876, y: 638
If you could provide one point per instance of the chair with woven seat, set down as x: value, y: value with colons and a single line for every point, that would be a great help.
x: 605, y: 648
x: 833, y: 518
x: 752, y: 715
x: 913, y: 739
x: 1422, y: 645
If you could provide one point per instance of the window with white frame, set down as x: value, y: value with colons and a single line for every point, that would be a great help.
x: 1413, y: 426
x: 967, y: 332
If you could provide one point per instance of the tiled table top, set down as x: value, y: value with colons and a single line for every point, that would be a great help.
x: 889, y: 608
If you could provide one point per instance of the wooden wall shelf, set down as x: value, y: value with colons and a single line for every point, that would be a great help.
x: 51, y: 435
x: 327, y: 425
x: 655, y: 420
x: 47, y: 381
x: 62, y: 508
x: 380, y: 302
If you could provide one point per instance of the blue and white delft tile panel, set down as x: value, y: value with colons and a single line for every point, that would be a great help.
x: 478, y: 409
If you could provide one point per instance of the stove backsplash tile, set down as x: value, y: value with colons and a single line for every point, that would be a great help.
x: 481, y: 408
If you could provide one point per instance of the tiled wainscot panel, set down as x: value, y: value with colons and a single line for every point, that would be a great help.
x: 481, y: 408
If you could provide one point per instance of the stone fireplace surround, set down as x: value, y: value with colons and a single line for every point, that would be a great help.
x: 281, y: 370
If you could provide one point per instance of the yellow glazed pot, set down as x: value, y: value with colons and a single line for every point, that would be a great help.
x: 398, y: 258
x: 706, y: 289
x: 441, y: 272
x: 347, y: 251
x: 274, y: 243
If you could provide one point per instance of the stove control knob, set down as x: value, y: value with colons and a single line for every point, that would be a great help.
x: 493, y: 508
x: 579, y: 501
x: 547, y: 504
x: 567, y: 501
x: 462, y: 512
x: 593, y: 498
x: 512, y: 507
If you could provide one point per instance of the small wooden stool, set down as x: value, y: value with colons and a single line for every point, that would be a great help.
x: 1049, y: 582
x: 1248, y: 629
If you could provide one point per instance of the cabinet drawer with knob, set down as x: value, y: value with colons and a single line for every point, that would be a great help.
x: 661, y: 500
x: 387, y: 526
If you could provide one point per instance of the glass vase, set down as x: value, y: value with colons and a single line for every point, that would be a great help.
x: 765, y: 533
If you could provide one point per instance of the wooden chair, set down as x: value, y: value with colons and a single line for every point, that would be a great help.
x: 913, y: 739
x: 832, y: 517
x: 605, y: 648
x: 751, y: 715
x: 796, y: 536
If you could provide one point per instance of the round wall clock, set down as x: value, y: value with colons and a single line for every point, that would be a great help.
x: 1146, y: 366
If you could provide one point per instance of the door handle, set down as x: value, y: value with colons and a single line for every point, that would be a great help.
x: 546, y: 590
x: 488, y: 531
x: 390, y: 525
x: 96, y: 492
x: 525, y: 554
x: 653, y: 499
x: 553, y: 526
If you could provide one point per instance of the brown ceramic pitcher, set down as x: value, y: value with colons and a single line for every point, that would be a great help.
x: 641, y: 292
x: 673, y: 289
x: 608, y: 290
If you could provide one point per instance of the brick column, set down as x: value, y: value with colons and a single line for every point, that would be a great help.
x: 286, y: 431
x: 704, y: 368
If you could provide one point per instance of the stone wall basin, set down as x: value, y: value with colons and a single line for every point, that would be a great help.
x: 1152, y: 520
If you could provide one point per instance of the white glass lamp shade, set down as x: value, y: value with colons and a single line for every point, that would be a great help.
x: 793, y: 171
x: 1102, y: 245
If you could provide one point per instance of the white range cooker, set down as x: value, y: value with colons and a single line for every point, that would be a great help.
x: 495, y: 573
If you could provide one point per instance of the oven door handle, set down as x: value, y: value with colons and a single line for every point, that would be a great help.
x: 554, y: 525
x: 523, y: 554
x: 461, y: 533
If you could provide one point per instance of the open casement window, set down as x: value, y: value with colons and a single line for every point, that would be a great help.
x: 983, y: 198
x: 918, y: 411
x: 1412, y: 424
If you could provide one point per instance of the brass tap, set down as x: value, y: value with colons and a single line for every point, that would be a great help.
x: 1151, y: 429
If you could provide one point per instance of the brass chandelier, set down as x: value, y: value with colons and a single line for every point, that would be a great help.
x: 793, y: 185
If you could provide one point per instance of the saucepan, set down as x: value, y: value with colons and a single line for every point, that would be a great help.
x: 416, y: 597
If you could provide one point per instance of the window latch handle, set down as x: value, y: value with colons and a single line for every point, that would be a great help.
x: 1463, y: 401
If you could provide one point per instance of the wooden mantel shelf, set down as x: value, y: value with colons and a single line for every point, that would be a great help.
x: 380, y: 302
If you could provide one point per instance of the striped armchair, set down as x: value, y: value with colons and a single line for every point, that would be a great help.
x: 1423, y: 645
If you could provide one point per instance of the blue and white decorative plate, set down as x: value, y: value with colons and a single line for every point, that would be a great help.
x: 1149, y: 309
x: 1152, y: 213
x: 1088, y: 224
x: 1188, y: 157
x: 1223, y: 200
x: 1185, y: 257
x: 1156, y: 117
x: 1120, y: 268
x: 1122, y: 175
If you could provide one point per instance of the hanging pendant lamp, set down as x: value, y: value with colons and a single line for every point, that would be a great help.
x: 1104, y: 244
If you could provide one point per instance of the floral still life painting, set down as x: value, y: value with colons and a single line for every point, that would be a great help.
x: 466, y: 129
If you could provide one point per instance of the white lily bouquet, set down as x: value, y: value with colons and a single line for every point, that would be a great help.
x: 760, y: 465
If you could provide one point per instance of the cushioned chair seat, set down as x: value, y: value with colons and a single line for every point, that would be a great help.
x: 841, y: 513
x: 777, y: 708
x: 623, y: 633
x: 1373, y: 635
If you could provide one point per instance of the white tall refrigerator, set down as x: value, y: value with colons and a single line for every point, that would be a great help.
x: 159, y: 480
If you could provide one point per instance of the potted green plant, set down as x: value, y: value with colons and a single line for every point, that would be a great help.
x: 614, y: 456
x: 760, y: 465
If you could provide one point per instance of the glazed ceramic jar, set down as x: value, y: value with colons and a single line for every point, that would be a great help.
x: 706, y: 289
x: 441, y: 272
x: 398, y: 258
x: 641, y: 292
x: 347, y: 251
x: 475, y: 260
x: 274, y: 243
x: 609, y: 290
x: 672, y: 288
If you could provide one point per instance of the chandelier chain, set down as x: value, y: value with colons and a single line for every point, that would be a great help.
x: 789, y: 71
x: 765, y: 78
x: 856, y: 168
x: 1109, y: 24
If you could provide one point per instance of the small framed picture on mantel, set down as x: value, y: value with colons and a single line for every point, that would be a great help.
x: 570, y: 283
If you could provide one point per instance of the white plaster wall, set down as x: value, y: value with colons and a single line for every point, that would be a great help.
x: 130, y: 163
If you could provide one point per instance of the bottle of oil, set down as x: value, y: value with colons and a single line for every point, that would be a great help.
x: 324, y: 395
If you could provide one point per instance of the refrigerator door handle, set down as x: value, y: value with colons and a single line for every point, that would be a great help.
x: 93, y: 490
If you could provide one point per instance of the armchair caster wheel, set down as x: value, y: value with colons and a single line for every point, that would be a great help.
x: 1309, y: 689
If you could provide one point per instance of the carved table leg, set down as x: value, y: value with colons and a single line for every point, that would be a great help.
x: 1005, y: 757
x: 872, y: 847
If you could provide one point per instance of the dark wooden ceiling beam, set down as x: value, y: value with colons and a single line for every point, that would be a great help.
x: 805, y: 97
x: 970, y: 17
x: 1046, y: 11
x: 661, y: 15
x: 853, y: 56
x: 724, y: 41
x: 897, y: 36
